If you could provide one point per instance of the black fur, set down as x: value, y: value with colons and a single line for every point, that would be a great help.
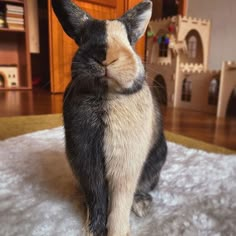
x: 87, y: 69
x: 84, y: 152
x: 73, y: 17
x: 84, y: 127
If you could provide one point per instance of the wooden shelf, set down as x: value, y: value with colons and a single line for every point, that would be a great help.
x: 13, y: 1
x: 14, y: 49
x: 11, y: 30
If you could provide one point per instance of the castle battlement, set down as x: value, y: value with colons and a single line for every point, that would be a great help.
x: 194, y: 20
x: 164, y: 63
x: 191, y: 68
x: 165, y: 20
x: 156, y: 25
x: 229, y: 65
x: 179, y: 19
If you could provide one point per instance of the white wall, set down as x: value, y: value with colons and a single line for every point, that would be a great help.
x: 222, y: 14
x: 33, y: 26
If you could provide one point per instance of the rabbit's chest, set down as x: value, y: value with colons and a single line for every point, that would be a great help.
x: 129, y: 128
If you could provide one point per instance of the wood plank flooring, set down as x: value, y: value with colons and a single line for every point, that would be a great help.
x: 201, y: 126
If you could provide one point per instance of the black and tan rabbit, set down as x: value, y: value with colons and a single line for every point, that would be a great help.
x: 113, y: 130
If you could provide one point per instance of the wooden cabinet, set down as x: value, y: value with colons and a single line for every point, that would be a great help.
x: 62, y: 48
x: 14, y: 50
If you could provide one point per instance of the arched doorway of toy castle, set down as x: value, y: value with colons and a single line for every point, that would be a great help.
x: 159, y: 88
x: 231, y: 109
x: 213, y: 94
x: 194, y: 47
x: 2, y: 81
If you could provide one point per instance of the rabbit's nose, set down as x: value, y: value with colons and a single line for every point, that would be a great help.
x: 104, y: 63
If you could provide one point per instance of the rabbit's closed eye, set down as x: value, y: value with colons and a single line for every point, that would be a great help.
x: 105, y: 63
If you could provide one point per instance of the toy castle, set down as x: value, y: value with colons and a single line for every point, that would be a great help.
x: 177, y: 63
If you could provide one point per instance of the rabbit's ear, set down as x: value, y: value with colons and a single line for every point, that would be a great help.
x: 71, y: 17
x: 136, y: 20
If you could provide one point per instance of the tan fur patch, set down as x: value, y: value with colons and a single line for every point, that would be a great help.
x: 123, y: 65
x: 128, y: 138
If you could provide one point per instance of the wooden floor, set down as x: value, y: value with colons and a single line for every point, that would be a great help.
x: 201, y: 126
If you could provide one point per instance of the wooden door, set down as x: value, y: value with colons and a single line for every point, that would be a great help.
x: 183, y: 7
x: 62, y: 48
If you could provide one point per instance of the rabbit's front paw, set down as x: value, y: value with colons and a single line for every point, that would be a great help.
x: 142, y: 204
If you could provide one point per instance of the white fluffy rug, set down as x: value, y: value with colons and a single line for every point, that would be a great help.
x: 38, y: 194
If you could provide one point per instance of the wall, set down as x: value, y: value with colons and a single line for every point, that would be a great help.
x: 223, y: 33
x: 33, y: 26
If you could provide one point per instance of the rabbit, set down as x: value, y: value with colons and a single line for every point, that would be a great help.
x: 114, y: 136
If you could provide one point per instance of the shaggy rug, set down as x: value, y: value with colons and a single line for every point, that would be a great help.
x: 39, y: 197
